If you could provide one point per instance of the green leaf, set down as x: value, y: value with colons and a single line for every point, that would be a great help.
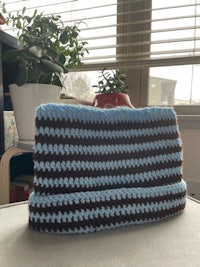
x: 24, y: 38
x: 50, y: 67
x: 35, y: 13
x: 29, y: 19
x: 74, y: 34
x: 46, y: 78
x: 11, y: 56
x: 22, y: 75
x: 52, y: 52
x: 33, y: 73
x: 35, y: 51
x: 18, y: 24
x: 4, y: 8
x: 62, y: 59
x: 64, y: 37
x: 23, y: 10
x: 56, y: 81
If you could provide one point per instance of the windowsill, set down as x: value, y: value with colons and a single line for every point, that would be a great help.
x: 187, y: 110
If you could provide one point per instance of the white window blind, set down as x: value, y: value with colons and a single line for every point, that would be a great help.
x: 130, y: 33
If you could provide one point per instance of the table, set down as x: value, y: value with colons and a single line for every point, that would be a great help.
x: 174, y: 242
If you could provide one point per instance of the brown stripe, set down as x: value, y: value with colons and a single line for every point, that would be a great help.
x: 111, y: 172
x: 64, y: 189
x: 98, y: 222
x: 105, y: 157
x: 81, y: 140
x: 103, y: 125
x: 110, y: 203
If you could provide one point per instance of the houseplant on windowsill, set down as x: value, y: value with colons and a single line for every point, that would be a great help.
x: 47, y: 50
x: 112, y: 90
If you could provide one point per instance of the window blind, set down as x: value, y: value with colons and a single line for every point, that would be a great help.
x: 129, y: 33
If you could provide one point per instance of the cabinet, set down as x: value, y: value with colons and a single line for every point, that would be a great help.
x: 8, y: 73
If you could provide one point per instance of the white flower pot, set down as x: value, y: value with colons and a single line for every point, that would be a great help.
x: 25, y: 100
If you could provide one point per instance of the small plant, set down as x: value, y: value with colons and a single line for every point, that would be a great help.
x: 111, y: 82
x: 47, y: 49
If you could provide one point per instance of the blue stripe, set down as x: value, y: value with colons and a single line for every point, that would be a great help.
x: 108, y: 134
x: 105, y: 165
x: 37, y: 200
x: 88, y: 182
x: 90, y: 229
x: 67, y: 149
x: 91, y: 114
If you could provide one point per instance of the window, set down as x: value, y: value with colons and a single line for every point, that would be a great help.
x: 156, y: 42
x: 174, y: 85
x: 175, y: 35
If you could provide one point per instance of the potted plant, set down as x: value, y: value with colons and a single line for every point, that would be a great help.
x: 47, y: 50
x: 2, y: 20
x: 112, y: 90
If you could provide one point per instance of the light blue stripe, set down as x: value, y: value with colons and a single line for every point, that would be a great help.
x: 108, y: 134
x: 38, y: 200
x: 106, y: 165
x: 90, y: 114
x: 68, y: 149
x: 90, y: 182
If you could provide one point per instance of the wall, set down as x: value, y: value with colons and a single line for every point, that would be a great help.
x: 190, y: 133
x: 191, y: 150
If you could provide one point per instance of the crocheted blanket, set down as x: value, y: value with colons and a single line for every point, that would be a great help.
x: 97, y: 169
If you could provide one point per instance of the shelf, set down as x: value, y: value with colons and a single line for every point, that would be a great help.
x: 8, y: 73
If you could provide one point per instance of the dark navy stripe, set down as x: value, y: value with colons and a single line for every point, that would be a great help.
x: 95, y: 125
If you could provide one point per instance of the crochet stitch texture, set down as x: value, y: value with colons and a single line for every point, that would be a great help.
x: 98, y: 169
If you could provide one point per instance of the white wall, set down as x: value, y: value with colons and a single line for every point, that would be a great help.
x: 191, y: 150
x: 190, y: 134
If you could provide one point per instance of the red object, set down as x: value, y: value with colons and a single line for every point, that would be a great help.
x: 111, y: 100
x: 19, y: 192
x: 12, y: 194
x: 2, y: 20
